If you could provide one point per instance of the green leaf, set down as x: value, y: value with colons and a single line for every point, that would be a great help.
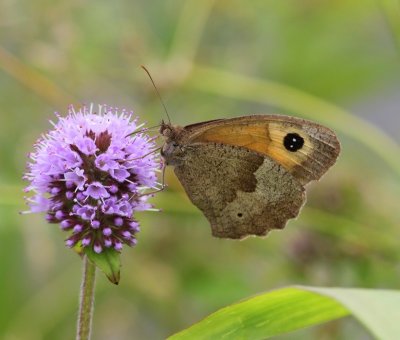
x: 377, y: 309
x: 108, y: 261
x: 288, y: 309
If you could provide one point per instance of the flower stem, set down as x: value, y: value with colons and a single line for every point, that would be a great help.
x: 86, y: 300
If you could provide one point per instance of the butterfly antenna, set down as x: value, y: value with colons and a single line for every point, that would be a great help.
x: 158, y: 93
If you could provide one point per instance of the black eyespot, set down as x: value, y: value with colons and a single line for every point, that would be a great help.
x: 293, y: 142
x: 240, y: 214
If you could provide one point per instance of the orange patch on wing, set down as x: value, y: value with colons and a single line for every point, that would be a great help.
x: 253, y: 137
x: 264, y: 138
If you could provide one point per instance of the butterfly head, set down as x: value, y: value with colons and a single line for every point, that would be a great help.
x: 173, y: 149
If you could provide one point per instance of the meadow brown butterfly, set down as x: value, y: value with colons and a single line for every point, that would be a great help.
x: 247, y: 174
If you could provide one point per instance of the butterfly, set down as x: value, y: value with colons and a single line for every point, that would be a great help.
x: 247, y: 174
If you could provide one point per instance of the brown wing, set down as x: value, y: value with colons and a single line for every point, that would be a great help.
x: 239, y: 191
x: 266, y: 135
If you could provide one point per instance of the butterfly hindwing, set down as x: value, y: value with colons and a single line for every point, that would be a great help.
x: 240, y: 192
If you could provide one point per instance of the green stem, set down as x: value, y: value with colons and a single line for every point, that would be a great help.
x: 86, y: 300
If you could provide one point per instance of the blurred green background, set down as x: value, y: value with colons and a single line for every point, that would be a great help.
x: 335, y: 62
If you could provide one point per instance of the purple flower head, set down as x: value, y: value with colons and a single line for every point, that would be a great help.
x: 89, y: 175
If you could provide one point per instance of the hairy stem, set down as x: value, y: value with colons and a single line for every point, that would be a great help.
x: 86, y: 300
